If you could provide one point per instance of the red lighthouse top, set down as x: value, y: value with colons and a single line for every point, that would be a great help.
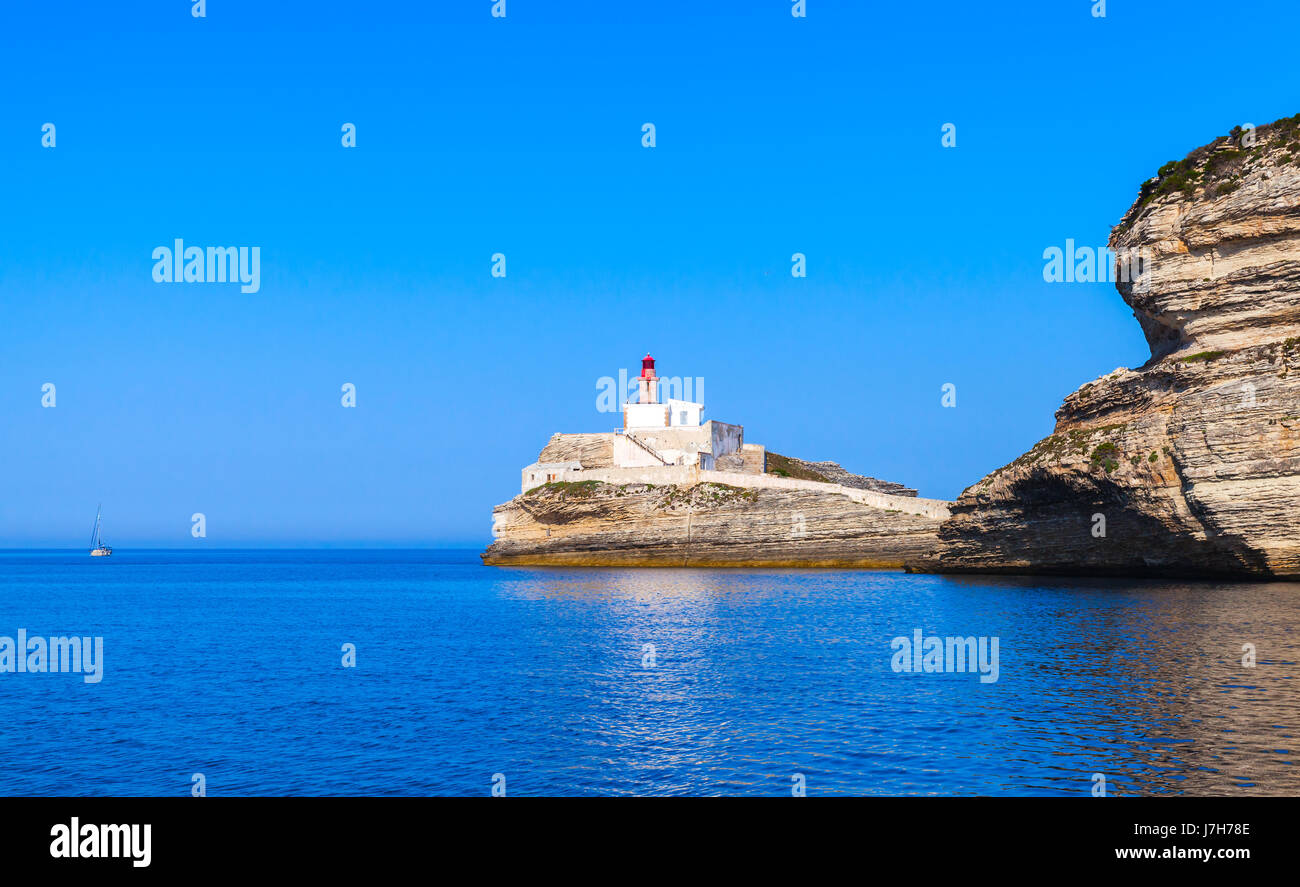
x: 647, y: 367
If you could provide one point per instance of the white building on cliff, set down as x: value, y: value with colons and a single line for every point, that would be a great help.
x: 655, y: 435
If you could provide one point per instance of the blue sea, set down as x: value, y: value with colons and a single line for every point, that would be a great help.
x: 634, y: 682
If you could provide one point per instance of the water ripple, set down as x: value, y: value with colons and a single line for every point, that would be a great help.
x: 228, y: 663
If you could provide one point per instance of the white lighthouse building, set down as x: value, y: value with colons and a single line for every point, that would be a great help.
x: 648, y: 412
x: 655, y: 435
x: 669, y: 433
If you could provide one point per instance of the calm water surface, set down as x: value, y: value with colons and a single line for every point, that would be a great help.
x: 228, y: 663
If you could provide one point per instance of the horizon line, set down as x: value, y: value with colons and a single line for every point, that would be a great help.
x: 264, y: 548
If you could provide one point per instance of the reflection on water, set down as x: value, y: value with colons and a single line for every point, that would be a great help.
x: 762, y: 675
x: 227, y: 663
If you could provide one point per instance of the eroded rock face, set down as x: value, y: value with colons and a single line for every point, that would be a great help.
x: 597, y: 524
x: 1224, y: 243
x: 594, y: 450
x: 1190, y: 464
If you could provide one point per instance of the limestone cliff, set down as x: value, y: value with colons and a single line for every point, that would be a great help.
x: 593, y: 523
x: 1189, y: 465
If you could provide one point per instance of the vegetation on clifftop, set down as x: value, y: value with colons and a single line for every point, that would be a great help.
x: 576, y: 488
x: 1218, y: 167
x: 783, y: 467
x: 1064, y: 447
x: 708, y: 494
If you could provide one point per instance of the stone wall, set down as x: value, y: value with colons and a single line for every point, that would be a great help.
x: 543, y: 472
x: 753, y: 459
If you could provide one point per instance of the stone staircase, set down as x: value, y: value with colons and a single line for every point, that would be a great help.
x: 645, y: 446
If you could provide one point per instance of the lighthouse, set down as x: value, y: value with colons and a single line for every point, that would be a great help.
x: 647, y: 382
x: 648, y: 411
x: 661, y: 433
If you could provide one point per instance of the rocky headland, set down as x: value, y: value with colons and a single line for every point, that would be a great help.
x: 1190, y: 464
x: 704, y: 524
x: 1186, y: 466
x: 777, y: 512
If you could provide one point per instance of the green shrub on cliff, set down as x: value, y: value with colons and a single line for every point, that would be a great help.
x: 1104, y: 456
x: 781, y: 466
x: 1222, y: 163
x: 1216, y: 165
x: 576, y: 488
x: 1201, y: 357
x: 1176, y: 175
x: 707, y: 494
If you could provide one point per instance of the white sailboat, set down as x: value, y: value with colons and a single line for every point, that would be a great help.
x: 97, y: 546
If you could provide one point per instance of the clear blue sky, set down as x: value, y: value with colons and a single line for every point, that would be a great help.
x: 523, y: 136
